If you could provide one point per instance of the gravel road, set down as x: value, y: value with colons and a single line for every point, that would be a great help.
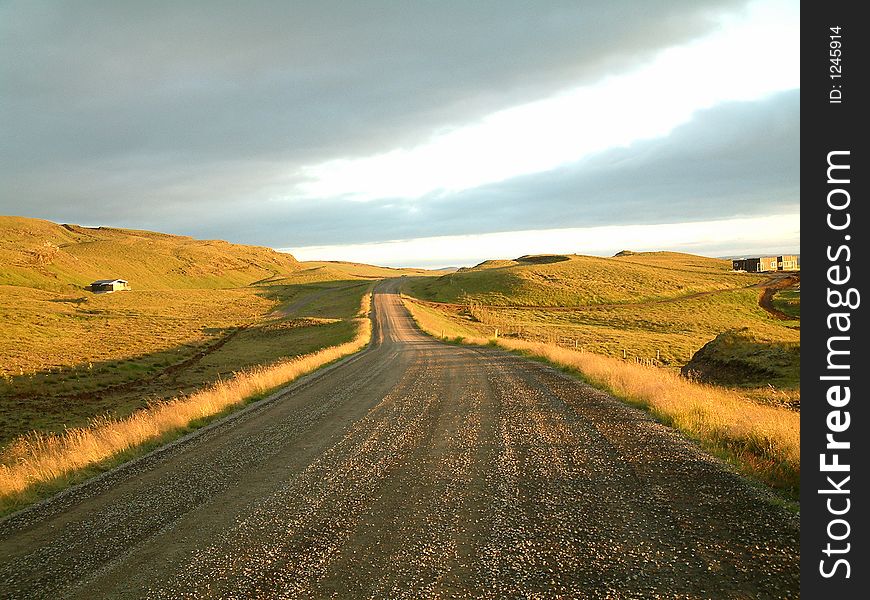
x: 415, y: 469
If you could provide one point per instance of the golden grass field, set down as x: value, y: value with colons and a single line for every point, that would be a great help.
x: 660, y: 307
x: 41, y: 462
x: 762, y: 441
x: 64, y: 361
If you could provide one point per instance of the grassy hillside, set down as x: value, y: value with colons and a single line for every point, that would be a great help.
x: 572, y: 280
x: 41, y: 254
x: 743, y: 358
x: 659, y: 307
x: 198, y: 312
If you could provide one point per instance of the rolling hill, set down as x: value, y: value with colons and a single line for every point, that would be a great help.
x: 654, y: 307
x: 574, y: 280
x: 198, y: 311
x: 41, y: 254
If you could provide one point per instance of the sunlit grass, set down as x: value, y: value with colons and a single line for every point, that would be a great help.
x: 40, y: 458
x: 61, y: 366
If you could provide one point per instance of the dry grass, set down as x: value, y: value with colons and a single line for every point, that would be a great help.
x: 40, y: 458
x: 62, y: 363
x: 48, y: 331
x: 68, y: 357
x: 674, y: 329
x: 763, y: 441
x: 435, y: 323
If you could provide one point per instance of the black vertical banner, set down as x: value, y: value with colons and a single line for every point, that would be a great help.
x: 834, y: 357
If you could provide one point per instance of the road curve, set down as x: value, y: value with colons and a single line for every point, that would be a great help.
x: 416, y: 469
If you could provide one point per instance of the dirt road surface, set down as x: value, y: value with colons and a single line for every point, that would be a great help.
x: 415, y: 469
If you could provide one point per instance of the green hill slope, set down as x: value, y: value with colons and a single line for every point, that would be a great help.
x: 572, y: 280
x: 42, y: 254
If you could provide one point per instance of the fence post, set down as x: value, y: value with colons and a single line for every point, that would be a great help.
x: 623, y: 354
x: 658, y: 354
x: 496, y: 333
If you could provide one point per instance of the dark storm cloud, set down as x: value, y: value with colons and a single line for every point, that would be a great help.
x: 737, y: 159
x: 192, y: 117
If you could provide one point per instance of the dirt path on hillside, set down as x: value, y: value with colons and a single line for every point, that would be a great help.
x: 770, y: 288
x: 413, y: 469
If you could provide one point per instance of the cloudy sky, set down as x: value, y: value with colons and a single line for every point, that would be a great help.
x: 409, y: 132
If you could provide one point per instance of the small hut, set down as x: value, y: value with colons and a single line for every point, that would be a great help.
x: 109, y: 285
